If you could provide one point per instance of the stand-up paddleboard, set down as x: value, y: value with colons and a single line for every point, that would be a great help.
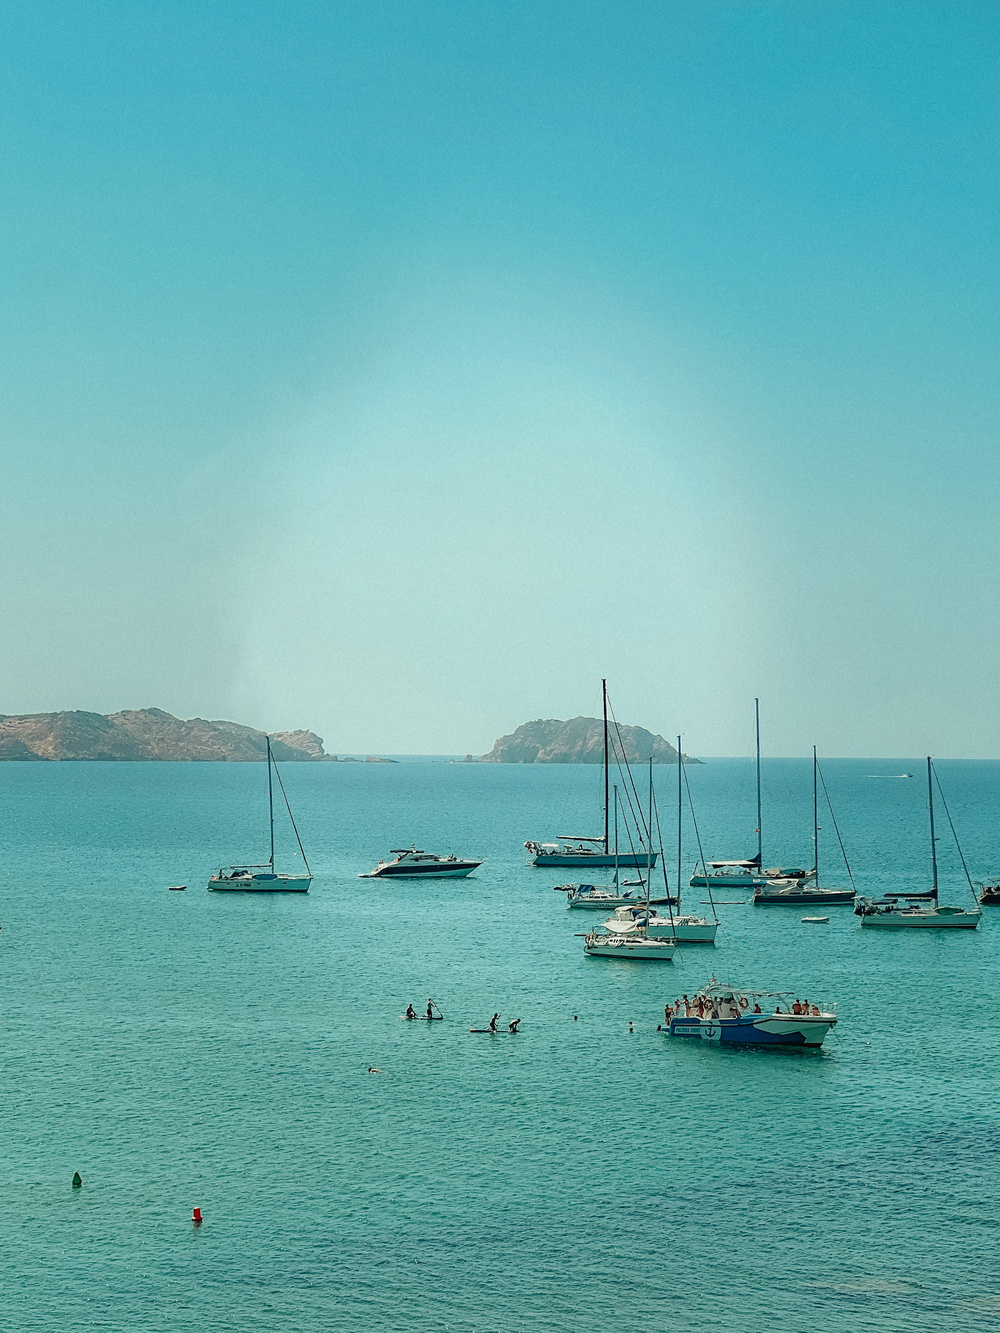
x: 491, y: 1032
x: 423, y: 1018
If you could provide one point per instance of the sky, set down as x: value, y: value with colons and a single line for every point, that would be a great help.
x: 399, y: 370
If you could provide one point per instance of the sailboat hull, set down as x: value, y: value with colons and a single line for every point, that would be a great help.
x: 765, y: 895
x: 261, y: 884
x: 921, y: 920
x: 591, y: 859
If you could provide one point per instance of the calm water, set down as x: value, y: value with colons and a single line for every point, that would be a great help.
x: 198, y: 1049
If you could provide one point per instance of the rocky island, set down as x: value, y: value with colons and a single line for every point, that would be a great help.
x: 580, y: 740
x: 148, y: 734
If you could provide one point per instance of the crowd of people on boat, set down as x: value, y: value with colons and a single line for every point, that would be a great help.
x: 731, y: 1006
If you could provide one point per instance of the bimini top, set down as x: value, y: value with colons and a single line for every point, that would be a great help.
x: 744, y: 865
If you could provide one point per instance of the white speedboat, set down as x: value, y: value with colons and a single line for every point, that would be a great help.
x: 893, y: 912
x: 263, y: 878
x: 632, y: 943
x: 414, y: 863
x: 680, y: 929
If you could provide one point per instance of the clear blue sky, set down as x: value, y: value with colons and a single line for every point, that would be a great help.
x: 397, y: 370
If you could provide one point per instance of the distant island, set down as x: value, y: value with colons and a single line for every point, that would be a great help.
x: 150, y: 734
x: 580, y: 740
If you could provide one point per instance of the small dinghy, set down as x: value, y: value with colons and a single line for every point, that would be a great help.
x: 817, y: 920
x: 178, y: 888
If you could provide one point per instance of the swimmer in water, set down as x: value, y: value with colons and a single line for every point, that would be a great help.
x: 373, y: 1070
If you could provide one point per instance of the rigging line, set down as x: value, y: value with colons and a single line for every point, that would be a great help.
x: 626, y: 776
x: 819, y: 770
x: 621, y: 747
x: 663, y: 859
x: 701, y: 854
x: 952, y: 827
x: 292, y: 818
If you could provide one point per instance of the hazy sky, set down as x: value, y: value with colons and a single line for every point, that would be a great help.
x: 397, y: 370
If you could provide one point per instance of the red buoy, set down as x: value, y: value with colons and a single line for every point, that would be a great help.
x: 196, y: 1217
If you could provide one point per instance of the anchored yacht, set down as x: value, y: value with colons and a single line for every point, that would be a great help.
x: 414, y: 863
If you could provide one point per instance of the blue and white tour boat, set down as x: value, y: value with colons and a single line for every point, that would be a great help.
x: 731, y: 1016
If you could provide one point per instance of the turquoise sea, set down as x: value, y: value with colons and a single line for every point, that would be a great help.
x: 195, y: 1049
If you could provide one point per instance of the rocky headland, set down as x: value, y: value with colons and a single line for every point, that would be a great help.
x: 148, y: 734
x: 580, y: 740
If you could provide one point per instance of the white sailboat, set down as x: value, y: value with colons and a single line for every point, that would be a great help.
x: 598, y: 897
x: 796, y: 892
x: 682, y: 928
x: 894, y: 912
x: 262, y: 878
x: 584, y: 851
x: 631, y: 939
x: 749, y: 872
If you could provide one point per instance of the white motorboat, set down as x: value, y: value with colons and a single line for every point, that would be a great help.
x: 680, y: 929
x: 263, y: 878
x: 414, y: 863
x: 893, y: 912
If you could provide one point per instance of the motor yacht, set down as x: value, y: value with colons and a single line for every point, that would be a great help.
x: 414, y: 863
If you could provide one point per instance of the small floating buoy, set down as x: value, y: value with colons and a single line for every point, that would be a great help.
x: 196, y: 1217
x: 77, y: 1180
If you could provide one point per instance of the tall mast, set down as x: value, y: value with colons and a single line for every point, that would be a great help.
x: 760, y: 839
x: 649, y: 840
x: 604, y: 696
x: 270, y: 800
x: 930, y: 811
x: 815, y: 826
x: 616, y: 836
x: 680, y: 821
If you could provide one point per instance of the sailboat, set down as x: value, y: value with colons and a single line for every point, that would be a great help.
x: 579, y: 850
x: 616, y: 894
x: 807, y: 890
x: 262, y: 878
x: 747, y: 873
x: 630, y: 938
x: 676, y: 926
x: 893, y: 912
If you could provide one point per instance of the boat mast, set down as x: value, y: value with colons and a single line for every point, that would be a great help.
x: 930, y: 811
x: 270, y: 800
x: 616, y: 835
x: 760, y: 840
x: 649, y: 841
x: 680, y: 820
x: 815, y: 826
x: 604, y: 696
